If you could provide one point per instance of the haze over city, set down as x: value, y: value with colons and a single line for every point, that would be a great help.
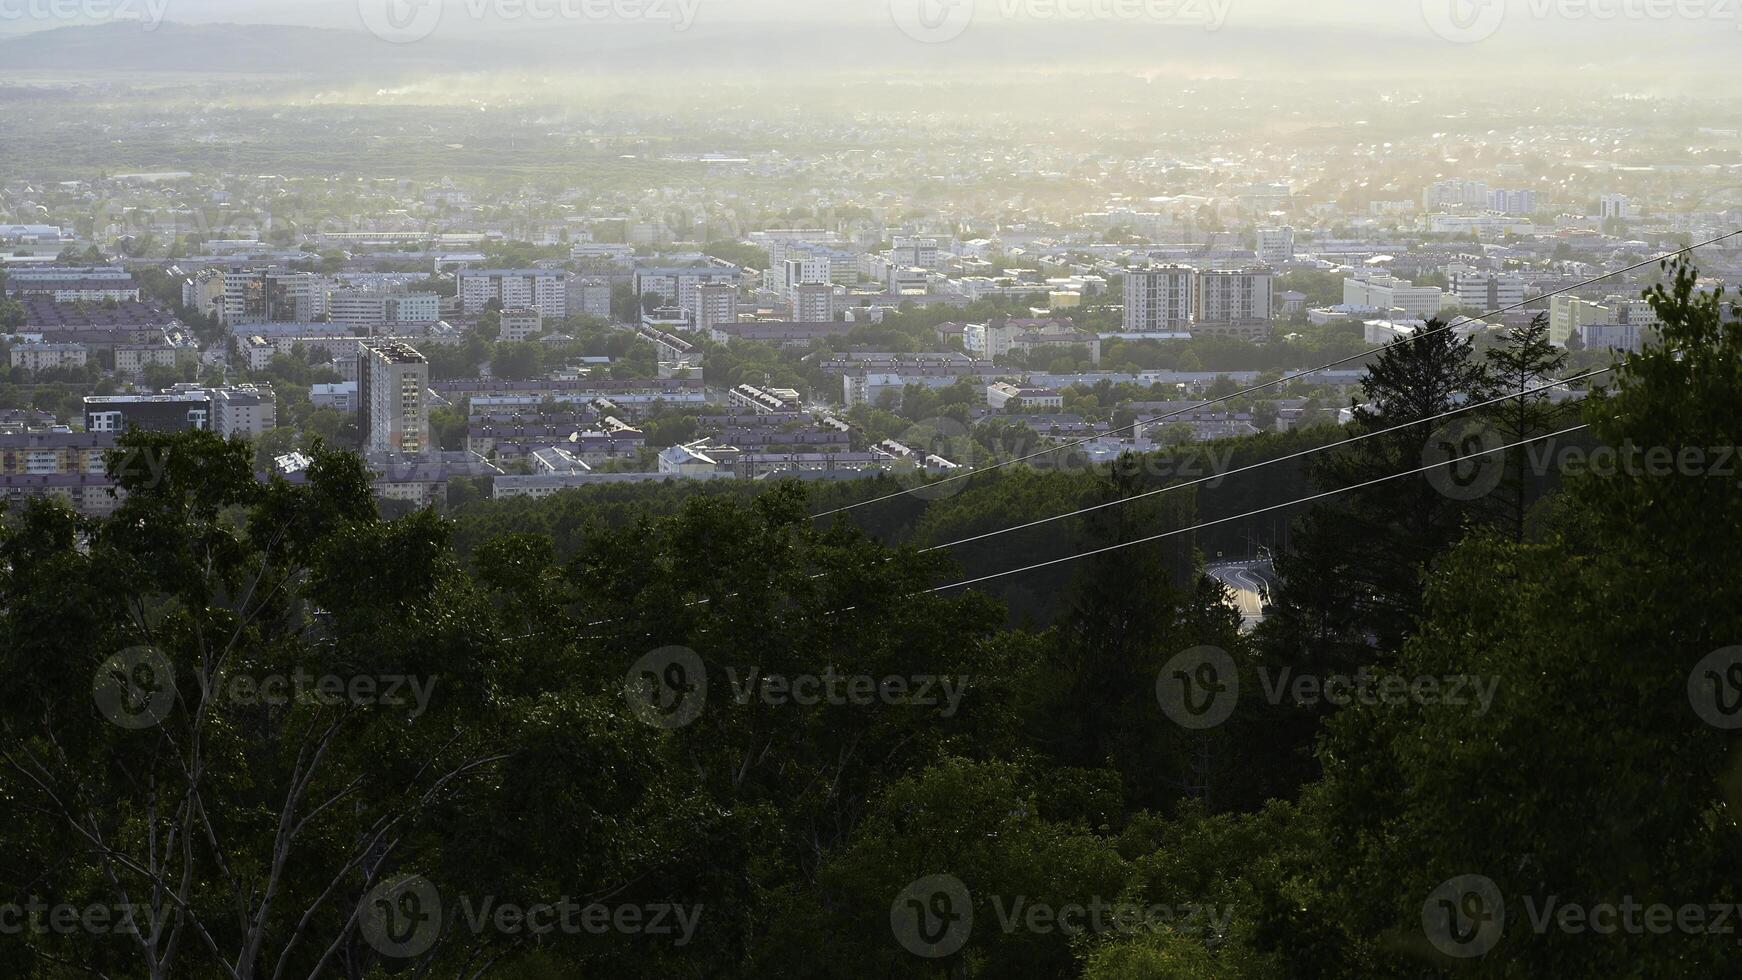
x: 784, y: 489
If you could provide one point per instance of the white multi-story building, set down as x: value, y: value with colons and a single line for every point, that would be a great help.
x: 919, y: 253
x: 258, y: 352
x: 272, y: 295
x: 203, y: 292
x: 1455, y: 193
x: 1000, y: 394
x: 77, y: 289
x: 1567, y: 313
x: 545, y: 290
x: 1512, y: 202
x: 392, y: 410
x: 243, y: 410
x: 1629, y: 337
x: 40, y: 357
x: 1233, y: 302
x: 368, y: 306
x: 590, y: 297
x: 28, y: 274
x: 1480, y: 225
x: 519, y: 324
x: 1614, y: 206
x: 813, y: 302
x: 677, y: 287
x: 1275, y: 245
x: 1487, y: 292
x: 716, y: 303
x: 1159, y: 299
x: 132, y: 359
x: 806, y: 270
x: 1382, y: 291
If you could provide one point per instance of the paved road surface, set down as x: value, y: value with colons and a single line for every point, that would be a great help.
x: 1246, y: 580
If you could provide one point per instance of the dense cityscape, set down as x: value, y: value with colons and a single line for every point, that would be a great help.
x: 1039, y: 489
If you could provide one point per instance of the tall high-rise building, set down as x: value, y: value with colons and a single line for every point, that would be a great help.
x: 716, y: 303
x: 1614, y: 206
x: 1233, y: 302
x: 1159, y: 299
x: 392, y: 409
x: 813, y: 302
x: 590, y: 296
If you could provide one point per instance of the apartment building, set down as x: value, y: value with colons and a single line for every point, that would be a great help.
x: 1275, y: 245
x: 519, y: 324
x: 545, y: 290
x: 42, y: 357
x: 272, y: 295
x: 677, y: 287
x: 1233, y: 303
x: 58, y: 464
x: 716, y: 303
x: 392, y: 411
x: 368, y: 307
x: 1382, y: 291
x: 1158, y: 299
x: 1485, y: 291
x: 243, y: 410
x: 813, y: 302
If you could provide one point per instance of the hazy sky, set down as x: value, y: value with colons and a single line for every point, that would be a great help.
x: 1465, y: 20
